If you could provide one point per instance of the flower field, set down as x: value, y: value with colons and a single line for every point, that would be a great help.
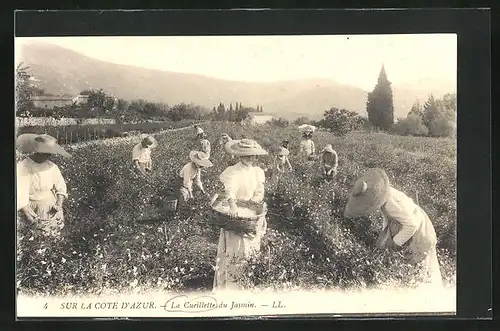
x: 118, y: 239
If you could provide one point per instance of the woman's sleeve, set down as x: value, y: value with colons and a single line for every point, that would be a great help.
x: 230, y: 180
x: 59, y: 183
x: 403, y: 213
x: 313, y: 147
x: 259, y: 190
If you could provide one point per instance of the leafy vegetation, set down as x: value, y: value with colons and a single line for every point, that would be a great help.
x: 117, y: 238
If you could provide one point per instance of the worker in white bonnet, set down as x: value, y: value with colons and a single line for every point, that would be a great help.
x: 225, y: 138
x: 405, y: 223
x: 141, y: 155
x: 199, y: 131
x: 205, y: 146
x: 329, y: 162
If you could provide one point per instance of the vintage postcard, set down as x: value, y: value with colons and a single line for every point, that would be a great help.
x: 222, y: 176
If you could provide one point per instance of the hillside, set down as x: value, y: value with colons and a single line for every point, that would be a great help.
x: 63, y: 71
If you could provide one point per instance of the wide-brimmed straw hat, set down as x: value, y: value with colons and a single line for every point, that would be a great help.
x: 328, y: 149
x: 307, y: 128
x: 200, y: 158
x: 369, y: 193
x: 283, y: 151
x: 40, y: 143
x: 244, y: 147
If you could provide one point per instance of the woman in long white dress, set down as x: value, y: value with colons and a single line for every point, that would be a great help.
x: 43, y: 190
x: 307, y: 146
x: 405, y: 223
x: 243, y: 181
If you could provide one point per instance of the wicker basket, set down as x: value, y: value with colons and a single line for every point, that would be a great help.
x: 245, y: 223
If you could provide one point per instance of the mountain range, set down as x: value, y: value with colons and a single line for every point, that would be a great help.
x: 64, y: 71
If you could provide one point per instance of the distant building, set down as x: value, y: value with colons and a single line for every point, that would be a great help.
x: 80, y: 99
x: 258, y: 118
x: 51, y: 101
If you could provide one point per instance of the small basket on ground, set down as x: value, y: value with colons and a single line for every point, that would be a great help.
x: 246, y: 221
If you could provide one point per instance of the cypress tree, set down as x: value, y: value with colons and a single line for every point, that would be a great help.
x: 379, y: 105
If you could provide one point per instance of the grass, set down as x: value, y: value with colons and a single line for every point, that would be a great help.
x: 117, y: 240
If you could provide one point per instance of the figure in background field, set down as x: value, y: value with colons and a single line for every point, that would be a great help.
x: 329, y: 162
x: 41, y: 186
x: 199, y: 130
x: 205, y: 146
x: 224, y: 139
x: 282, y: 162
x: 406, y: 225
x: 191, y: 173
x: 141, y: 155
x: 307, y: 146
x: 243, y: 181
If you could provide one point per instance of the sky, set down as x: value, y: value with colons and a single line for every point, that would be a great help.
x: 409, y: 60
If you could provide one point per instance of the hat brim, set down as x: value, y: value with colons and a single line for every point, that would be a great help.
x: 373, y: 198
x: 202, y: 162
x: 231, y: 148
x: 307, y: 128
x: 27, y: 145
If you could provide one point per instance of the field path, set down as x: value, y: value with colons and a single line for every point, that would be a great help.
x: 121, y: 140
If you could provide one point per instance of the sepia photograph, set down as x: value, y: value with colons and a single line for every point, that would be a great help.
x: 214, y: 176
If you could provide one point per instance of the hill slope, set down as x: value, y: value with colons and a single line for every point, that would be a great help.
x: 63, y: 71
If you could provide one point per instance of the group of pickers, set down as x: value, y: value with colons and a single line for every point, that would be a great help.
x: 41, y: 190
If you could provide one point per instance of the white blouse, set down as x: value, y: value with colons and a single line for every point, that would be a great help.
x: 141, y: 154
x: 45, y: 179
x: 190, y: 173
x: 243, y: 183
x: 402, y: 209
x: 307, y: 146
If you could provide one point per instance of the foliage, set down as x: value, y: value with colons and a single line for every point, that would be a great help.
x: 439, y: 115
x: 412, y: 125
x: 26, y: 88
x: 379, y: 105
x: 442, y: 126
x: 302, y: 120
x: 340, y: 121
x: 118, y: 240
x: 279, y: 122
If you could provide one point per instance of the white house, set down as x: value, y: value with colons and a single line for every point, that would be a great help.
x: 80, y: 99
x: 257, y: 118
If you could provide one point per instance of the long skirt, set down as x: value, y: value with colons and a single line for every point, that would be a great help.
x: 232, y: 253
x: 49, y: 225
x: 422, y: 247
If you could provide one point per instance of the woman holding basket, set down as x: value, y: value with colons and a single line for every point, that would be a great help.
x: 243, y: 183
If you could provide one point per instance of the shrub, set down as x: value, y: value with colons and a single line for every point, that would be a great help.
x: 412, y: 125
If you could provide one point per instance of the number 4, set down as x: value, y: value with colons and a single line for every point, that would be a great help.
x: 45, y: 306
